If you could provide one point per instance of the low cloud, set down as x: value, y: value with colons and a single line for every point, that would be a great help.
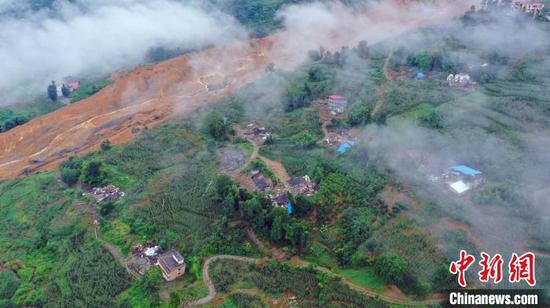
x: 97, y: 37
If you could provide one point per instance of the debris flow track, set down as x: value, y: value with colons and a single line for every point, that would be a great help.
x: 149, y: 95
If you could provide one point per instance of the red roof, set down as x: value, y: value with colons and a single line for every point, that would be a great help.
x: 336, y: 97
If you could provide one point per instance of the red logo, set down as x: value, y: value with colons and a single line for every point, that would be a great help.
x: 520, y: 268
x: 491, y: 268
x: 459, y: 267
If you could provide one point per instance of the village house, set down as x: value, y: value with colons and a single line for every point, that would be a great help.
x: 302, y: 186
x: 71, y: 82
x: 172, y: 265
x: 336, y: 104
x: 461, y: 178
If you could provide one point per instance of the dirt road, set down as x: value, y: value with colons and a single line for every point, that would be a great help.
x: 366, y: 291
x: 206, y: 277
x: 382, y: 89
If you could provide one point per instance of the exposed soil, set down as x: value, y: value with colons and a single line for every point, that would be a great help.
x: 149, y: 95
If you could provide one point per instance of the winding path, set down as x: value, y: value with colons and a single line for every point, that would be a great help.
x: 436, y: 298
x: 382, y: 89
x: 206, y: 277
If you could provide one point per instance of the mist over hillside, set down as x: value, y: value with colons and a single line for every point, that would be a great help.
x: 98, y: 37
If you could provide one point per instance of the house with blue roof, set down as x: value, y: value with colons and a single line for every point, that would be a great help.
x: 344, y: 147
x: 465, y: 170
x: 462, y: 178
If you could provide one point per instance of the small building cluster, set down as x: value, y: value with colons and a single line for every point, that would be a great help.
x: 459, y: 80
x: 461, y: 178
x: 256, y: 131
x: 172, y: 265
x: 261, y: 182
x: 106, y: 193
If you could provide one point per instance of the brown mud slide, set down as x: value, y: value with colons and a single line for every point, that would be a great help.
x: 149, y: 95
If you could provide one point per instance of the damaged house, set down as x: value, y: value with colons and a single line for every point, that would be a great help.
x: 144, y: 256
x: 302, y: 186
x: 106, y: 193
x: 261, y: 182
x: 256, y: 131
x: 282, y: 200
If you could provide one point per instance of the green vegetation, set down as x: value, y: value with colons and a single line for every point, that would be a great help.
x: 258, y: 16
x: 310, y: 287
x: 87, y: 88
x: 12, y: 116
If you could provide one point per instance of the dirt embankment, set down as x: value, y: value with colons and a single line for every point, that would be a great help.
x: 149, y: 95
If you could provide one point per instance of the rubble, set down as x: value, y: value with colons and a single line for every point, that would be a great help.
x: 302, y: 186
x: 261, y: 182
x: 255, y: 131
x: 144, y: 256
x: 106, y: 193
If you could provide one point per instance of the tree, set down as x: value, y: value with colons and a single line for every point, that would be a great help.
x: 70, y: 171
x: 359, y: 114
x: 150, y: 283
x: 363, y: 50
x: 106, y: 208
x: 65, y: 90
x: 217, y: 126
x: 92, y: 173
x: 52, y: 91
x: 8, y: 284
x: 175, y: 299
x: 106, y: 145
x: 391, y: 267
x: 304, y: 139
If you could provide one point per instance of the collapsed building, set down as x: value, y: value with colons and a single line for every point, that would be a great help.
x: 144, y: 256
x: 302, y: 186
x: 106, y: 193
x: 256, y: 131
x: 261, y: 182
x: 282, y: 200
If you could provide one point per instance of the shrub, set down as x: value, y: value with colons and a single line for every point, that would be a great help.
x: 92, y: 173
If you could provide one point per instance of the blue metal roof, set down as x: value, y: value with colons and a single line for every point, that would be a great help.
x: 466, y: 170
x: 344, y: 147
x: 420, y: 75
x: 289, y: 208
